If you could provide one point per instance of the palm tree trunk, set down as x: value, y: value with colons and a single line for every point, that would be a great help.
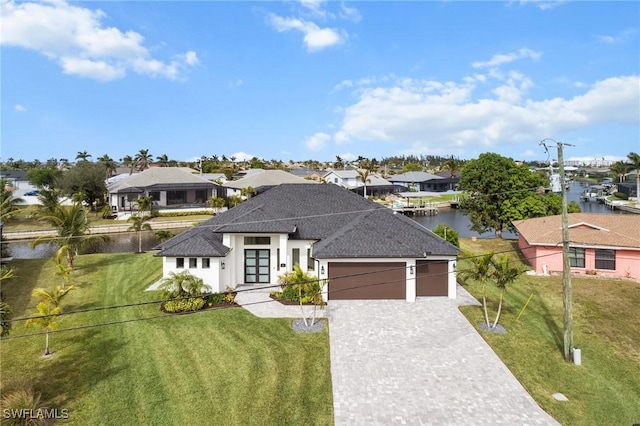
x: 499, y: 310
x: 484, y: 305
x: 69, y: 259
x: 304, y: 318
x: 139, y: 241
x: 46, y: 346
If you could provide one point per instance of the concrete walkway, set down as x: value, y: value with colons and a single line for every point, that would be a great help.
x: 255, y: 299
x: 422, y: 363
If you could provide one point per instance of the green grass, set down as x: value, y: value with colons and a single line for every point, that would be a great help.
x: 605, y: 390
x: 211, y: 367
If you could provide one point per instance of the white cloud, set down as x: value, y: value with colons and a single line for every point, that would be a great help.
x: 347, y: 156
x: 440, y: 117
x: 544, y: 4
x: 314, y: 7
x: 505, y: 58
x: 76, y: 38
x: 242, y: 156
x: 20, y: 108
x: 350, y: 13
x: 343, y: 84
x: 315, y: 38
x: 621, y: 37
x: 317, y: 141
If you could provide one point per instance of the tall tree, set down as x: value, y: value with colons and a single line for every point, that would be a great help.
x: 144, y: 204
x: 618, y: 170
x: 51, y: 297
x: 109, y: 165
x: 44, y: 177
x: 143, y: 159
x: 72, y: 228
x: 634, y: 159
x: 452, y: 165
x: 492, y: 184
x: 163, y: 160
x: 139, y: 224
x: 83, y: 156
x: 86, y: 178
x: 363, y: 176
x: 130, y: 162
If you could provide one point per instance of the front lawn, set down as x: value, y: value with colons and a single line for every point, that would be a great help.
x: 605, y: 390
x: 210, y: 367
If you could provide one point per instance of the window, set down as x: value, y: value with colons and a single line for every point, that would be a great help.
x: 201, y: 195
x: 295, y: 254
x: 257, y: 241
x: 278, y: 259
x: 176, y: 197
x: 576, y: 257
x: 311, y: 265
x: 180, y: 262
x: 206, y: 263
x: 193, y: 263
x: 155, y: 195
x: 335, y: 180
x: 606, y: 259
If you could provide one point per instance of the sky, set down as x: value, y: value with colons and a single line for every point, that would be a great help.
x: 297, y: 80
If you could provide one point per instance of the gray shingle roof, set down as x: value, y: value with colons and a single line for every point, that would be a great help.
x: 413, y: 177
x: 265, y: 178
x: 344, y: 224
x: 158, y: 177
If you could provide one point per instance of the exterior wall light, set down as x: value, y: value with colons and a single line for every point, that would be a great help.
x: 322, y: 270
x: 222, y: 265
x: 411, y: 269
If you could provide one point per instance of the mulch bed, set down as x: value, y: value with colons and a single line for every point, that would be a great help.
x: 204, y: 308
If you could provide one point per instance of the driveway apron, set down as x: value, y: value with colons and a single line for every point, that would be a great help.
x: 422, y: 363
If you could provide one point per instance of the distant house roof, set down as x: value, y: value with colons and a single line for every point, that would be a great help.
x: 591, y: 229
x: 342, y: 223
x: 413, y: 177
x: 17, y: 175
x: 160, y: 177
x: 265, y: 178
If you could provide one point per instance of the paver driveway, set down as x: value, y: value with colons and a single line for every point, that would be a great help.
x: 394, y: 362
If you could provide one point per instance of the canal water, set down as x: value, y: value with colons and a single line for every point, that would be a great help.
x: 461, y: 223
x: 128, y: 242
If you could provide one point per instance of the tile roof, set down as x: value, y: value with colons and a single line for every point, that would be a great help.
x: 591, y: 229
x: 413, y: 177
x: 265, y: 178
x: 344, y: 224
x: 159, y: 176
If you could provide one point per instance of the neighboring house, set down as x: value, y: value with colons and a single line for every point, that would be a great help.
x: 262, y: 180
x: 349, y: 179
x: 421, y: 181
x: 15, y: 177
x: 218, y: 178
x: 363, y: 249
x: 606, y: 244
x: 170, y: 187
x: 629, y: 188
x: 308, y: 174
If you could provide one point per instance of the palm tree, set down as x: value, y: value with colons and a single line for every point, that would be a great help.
x: 129, y: 161
x: 49, y: 199
x: 452, y: 165
x: 504, y: 274
x: 72, y: 227
x: 5, y: 310
x: 216, y: 203
x: 83, y: 156
x: 144, y: 203
x: 143, y: 159
x: 181, y: 284
x: 110, y: 166
x: 618, y: 169
x: 53, y: 298
x: 363, y: 175
x: 163, y: 160
x: 139, y: 224
x: 634, y: 158
x: 45, y: 318
x: 305, y: 284
x: 8, y: 203
x: 234, y: 200
x: 62, y: 271
x: 248, y: 192
x: 479, y: 270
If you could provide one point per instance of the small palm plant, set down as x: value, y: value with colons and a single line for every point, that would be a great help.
x: 139, y: 224
x: 46, y: 317
x: 308, y: 288
x: 182, y: 284
x: 504, y: 273
x: 479, y: 270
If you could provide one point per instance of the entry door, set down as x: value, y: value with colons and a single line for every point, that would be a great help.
x: 256, y: 266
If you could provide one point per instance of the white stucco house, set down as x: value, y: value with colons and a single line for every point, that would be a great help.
x: 364, y: 250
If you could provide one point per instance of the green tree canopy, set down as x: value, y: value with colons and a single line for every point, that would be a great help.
x: 448, y: 233
x: 44, y: 177
x: 494, y: 185
x: 86, y: 178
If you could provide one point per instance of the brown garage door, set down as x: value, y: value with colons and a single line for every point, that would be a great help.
x: 432, y: 278
x: 367, y: 281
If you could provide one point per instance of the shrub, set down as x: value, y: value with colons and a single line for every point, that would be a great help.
x: 184, y: 213
x: 447, y: 233
x: 214, y: 298
x: 25, y: 401
x: 184, y: 305
x: 230, y: 295
x: 621, y: 195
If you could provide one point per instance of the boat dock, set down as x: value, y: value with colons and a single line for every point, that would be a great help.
x: 428, y: 210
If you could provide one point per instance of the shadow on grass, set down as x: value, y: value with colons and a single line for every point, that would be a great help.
x: 554, y: 329
x: 18, y: 289
x: 77, y: 364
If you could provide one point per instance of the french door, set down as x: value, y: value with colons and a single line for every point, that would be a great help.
x: 256, y: 266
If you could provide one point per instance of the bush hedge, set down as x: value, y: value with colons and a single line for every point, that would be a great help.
x: 184, y: 305
x: 621, y: 195
x: 185, y: 213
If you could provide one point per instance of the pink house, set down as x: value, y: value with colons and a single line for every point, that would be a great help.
x: 599, y: 244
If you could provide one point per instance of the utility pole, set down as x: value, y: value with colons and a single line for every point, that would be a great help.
x: 567, y: 320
